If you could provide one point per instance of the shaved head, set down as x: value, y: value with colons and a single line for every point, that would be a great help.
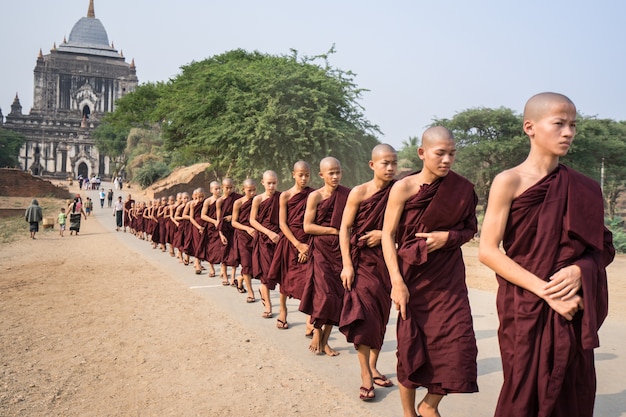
x: 249, y: 182
x: 539, y: 104
x: 382, y: 149
x: 301, y: 166
x: 436, y: 134
x: 227, y: 181
x: 329, y: 162
x: 269, y: 174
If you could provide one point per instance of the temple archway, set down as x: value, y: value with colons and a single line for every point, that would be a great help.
x: 83, y: 170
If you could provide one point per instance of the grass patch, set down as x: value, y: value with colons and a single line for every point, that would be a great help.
x: 16, y: 228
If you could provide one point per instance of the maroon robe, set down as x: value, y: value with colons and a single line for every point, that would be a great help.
x: 285, y: 269
x: 229, y: 251
x: 198, y: 245
x: 322, y: 298
x: 243, y: 240
x: 436, y: 342
x: 213, y: 244
x: 367, y: 305
x: 127, y: 216
x: 177, y: 232
x: 263, y: 248
x: 547, y: 361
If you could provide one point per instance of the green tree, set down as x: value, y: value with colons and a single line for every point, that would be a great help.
x: 245, y: 112
x: 488, y: 141
x: 10, y: 144
x: 407, y: 155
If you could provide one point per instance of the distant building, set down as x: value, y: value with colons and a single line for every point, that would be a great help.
x: 75, y: 85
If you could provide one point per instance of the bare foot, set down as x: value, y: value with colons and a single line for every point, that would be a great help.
x: 330, y: 351
x: 315, y: 345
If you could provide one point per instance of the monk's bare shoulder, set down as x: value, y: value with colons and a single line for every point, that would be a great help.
x: 360, y: 192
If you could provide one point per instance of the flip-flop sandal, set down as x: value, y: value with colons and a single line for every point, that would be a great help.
x: 282, y: 325
x: 242, y: 290
x: 250, y: 300
x: 382, y: 381
x: 225, y: 283
x: 267, y: 315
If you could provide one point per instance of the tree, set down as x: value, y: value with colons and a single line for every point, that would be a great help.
x: 407, y: 155
x: 488, y: 141
x: 10, y: 144
x: 245, y: 112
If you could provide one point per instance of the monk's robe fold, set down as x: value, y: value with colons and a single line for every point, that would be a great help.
x: 177, y: 238
x: 285, y: 268
x: 127, y: 214
x: 263, y: 248
x: 162, y: 227
x: 367, y: 305
x: 436, y: 343
x: 188, y: 247
x: 243, y: 240
x: 322, y: 297
x: 212, y: 243
x: 548, y: 361
x: 229, y: 251
x: 199, y: 248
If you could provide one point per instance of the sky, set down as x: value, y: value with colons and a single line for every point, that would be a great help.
x: 419, y: 60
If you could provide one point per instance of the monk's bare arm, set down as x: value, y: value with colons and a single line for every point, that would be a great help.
x: 310, y: 226
x: 302, y: 247
x: 186, y: 211
x: 498, y: 208
x: 235, y: 219
x: 397, y: 198
x: 347, y: 221
x: 254, y: 212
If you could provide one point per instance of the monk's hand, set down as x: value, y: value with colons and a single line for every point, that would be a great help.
x: 251, y: 231
x: 434, y: 240
x: 227, y: 218
x: 400, y: 297
x: 274, y: 237
x: 372, y: 238
x: 224, y: 240
x: 303, y: 252
x: 347, y: 277
x: 566, y: 308
x: 302, y: 257
x: 565, y: 283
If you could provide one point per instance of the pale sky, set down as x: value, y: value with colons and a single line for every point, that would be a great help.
x: 419, y: 59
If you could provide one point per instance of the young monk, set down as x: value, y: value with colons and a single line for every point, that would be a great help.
x: 197, y: 229
x: 289, y: 266
x: 188, y: 243
x: 244, y: 236
x: 181, y: 231
x: 224, y: 210
x: 430, y: 214
x: 212, y: 243
x: 322, y: 298
x: 264, y: 217
x: 168, y: 213
x: 366, y: 302
x: 127, y: 206
x: 552, y: 295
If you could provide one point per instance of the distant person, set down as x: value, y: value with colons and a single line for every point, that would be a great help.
x: 88, y: 206
x: 102, y: 197
x: 80, y: 182
x: 116, y: 183
x: 552, y: 296
x: 118, y: 212
x: 33, y: 216
x: 75, y: 209
x: 62, y: 219
x: 110, y: 198
x: 429, y: 216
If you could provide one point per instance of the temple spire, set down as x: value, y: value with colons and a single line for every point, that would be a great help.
x: 90, y: 11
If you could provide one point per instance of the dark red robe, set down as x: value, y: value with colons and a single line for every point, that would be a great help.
x: 436, y: 342
x: 243, y: 240
x: 322, y: 298
x: 213, y: 244
x: 127, y: 216
x: 285, y: 269
x: 199, y: 249
x: 263, y: 248
x: 547, y: 361
x: 229, y: 251
x: 367, y: 305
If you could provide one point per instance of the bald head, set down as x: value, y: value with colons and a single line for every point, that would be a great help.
x: 301, y: 166
x: 436, y: 134
x: 214, y: 184
x: 249, y: 182
x: 227, y: 181
x: 541, y: 104
x: 382, y: 149
x: 269, y: 174
x: 329, y: 162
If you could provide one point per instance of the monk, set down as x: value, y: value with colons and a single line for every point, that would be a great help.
x: 180, y: 221
x: 187, y: 241
x: 322, y: 298
x: 366, y: 302
x: 429, y: 215
x: 224, y: 210
x: 127, y: 205
x: 197, y: 229
x: 212, y: 242
x: 289, y: 266
x: 244, y: 236
x: 552, y: 296
x: 168, y: 213
x: 264, y: 217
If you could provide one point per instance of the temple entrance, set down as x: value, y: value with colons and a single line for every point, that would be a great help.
x: 86, y: 112
x: 83, y: 170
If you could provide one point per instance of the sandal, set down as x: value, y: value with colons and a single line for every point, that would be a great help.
x: 250, y: 299
x: 198, y: 271
x: 267, y: 315
x: 242, y: 290
x: 225, y: 283
x: 382, y: 381
x: 282, y: 325
x: 367, y: 394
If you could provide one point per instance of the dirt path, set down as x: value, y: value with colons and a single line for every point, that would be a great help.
x: 100, y: 324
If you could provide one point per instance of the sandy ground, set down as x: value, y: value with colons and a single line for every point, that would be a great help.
x: 102, y: 325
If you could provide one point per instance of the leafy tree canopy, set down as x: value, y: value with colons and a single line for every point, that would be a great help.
x: 10, y: 144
